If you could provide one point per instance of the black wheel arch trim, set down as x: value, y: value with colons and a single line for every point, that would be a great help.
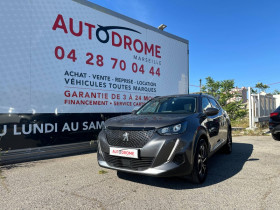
x: 201, y: 131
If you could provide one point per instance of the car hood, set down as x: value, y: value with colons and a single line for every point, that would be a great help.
x: 145, y: 121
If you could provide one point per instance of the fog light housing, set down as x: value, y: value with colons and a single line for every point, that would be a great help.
x: 179, y: 159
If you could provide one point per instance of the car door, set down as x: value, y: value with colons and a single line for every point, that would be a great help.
x: 220, y: 122
x: 211, y: 124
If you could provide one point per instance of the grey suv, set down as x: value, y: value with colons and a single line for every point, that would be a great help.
x: 168, y: 136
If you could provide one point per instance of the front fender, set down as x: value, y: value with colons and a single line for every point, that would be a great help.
x: 200, y: 133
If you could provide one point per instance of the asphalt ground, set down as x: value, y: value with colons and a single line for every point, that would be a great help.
x: 249, y: 178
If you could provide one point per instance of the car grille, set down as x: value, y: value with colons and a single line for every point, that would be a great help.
x: 129, y: 163
x: 136, y: 138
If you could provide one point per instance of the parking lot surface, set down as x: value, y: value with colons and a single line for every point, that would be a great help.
x: 249, y: 178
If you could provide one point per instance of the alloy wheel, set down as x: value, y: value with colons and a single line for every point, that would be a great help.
x: 202, y: 158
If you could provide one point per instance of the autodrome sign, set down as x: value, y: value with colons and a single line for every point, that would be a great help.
x: 69, y: 65
x: 68, y: 57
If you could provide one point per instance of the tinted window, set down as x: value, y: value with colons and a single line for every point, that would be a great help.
x: 214, y: 103
x: 205, y: 103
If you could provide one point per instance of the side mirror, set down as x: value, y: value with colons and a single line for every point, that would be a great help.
x: 134, y: 112
x: 211, y: 111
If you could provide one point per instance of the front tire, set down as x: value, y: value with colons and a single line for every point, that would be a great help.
x: 276, y: 136
x: 200, y: 169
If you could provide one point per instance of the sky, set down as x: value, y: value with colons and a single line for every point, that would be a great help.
x: 228, y: 39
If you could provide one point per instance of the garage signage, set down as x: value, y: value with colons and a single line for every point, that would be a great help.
x: 68, y: 65
x: 77, y: 59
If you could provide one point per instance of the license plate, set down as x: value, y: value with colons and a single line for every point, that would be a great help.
x: 123, y: 152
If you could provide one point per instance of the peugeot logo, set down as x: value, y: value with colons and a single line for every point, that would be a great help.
x: 125, y: 136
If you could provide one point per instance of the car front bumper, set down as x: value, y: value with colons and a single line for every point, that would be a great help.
x: 165, y: 170
x: 169, y: 155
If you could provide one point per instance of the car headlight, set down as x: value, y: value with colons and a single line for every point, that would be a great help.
x: 174, y: 129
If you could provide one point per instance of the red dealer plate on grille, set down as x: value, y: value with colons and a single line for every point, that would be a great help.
x: 123, y: 152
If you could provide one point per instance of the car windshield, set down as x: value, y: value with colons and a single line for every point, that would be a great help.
x: 169, y: 105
